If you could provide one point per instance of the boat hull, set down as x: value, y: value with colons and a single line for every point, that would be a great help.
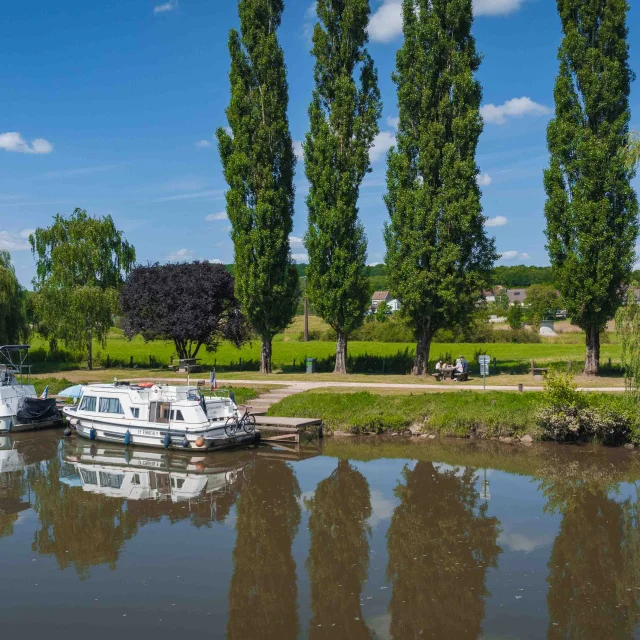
x: 214, y: 438
x: 9, y: 425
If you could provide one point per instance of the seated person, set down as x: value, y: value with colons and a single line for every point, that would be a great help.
x: 439, y: 365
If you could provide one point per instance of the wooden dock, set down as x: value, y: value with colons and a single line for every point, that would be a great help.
x: 288, y: 429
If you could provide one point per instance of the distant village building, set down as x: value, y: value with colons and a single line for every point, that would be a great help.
x: 384, y: 296
x: 490, y: 294
x: 516, y: 295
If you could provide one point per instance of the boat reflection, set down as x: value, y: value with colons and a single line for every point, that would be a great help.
x: 139, y: 474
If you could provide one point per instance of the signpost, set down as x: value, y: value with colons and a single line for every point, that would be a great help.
x: 484, y: 369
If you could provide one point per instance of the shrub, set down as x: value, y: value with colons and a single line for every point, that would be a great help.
x: 570, y: 415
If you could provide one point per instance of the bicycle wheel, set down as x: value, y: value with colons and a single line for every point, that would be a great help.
x: 231, y: 426
x: 249, y: 423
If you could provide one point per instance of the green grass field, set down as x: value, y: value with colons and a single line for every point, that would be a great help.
x: 289, y: 355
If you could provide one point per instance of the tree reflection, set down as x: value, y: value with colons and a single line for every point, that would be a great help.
x: 79, y: 529
x: 594, y: 568
x: 263, y: 591
x: 13, y: 488
x: 339, y: 553
x: 440, y: 544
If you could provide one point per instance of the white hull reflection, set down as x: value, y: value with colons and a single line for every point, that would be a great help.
x: 149, y: 475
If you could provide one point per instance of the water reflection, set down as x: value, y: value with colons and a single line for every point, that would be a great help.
x: 594, y: 568
x: 440, y: 544
x: 226, y: 546
x: 263, y: 592
x: 339, y: 553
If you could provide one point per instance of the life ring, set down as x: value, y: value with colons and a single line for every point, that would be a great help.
x: 146, y: 385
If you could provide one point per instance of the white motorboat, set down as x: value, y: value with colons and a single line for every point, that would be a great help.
x: 157, y: 415
x: 20, y: 407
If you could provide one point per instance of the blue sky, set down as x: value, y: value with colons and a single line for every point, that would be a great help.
x: 112, y: 106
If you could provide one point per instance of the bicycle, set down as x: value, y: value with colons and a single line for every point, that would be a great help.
x: 247, y: 423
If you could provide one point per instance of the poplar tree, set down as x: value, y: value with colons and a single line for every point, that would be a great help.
x: 591, y: 208
x: 343, y: 114
x: 259, y: 165
x: 438, y: 256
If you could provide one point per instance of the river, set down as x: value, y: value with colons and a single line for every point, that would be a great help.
x: 356, y: 539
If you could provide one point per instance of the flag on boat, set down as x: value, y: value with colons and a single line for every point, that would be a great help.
x: 45, y: 393
x: 212, y: 380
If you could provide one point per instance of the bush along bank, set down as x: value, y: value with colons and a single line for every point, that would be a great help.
x: 560, y: 413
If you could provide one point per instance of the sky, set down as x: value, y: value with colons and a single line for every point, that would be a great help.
x: 112, y: 107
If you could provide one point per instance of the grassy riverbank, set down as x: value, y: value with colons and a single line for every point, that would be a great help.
x: 462, y: 414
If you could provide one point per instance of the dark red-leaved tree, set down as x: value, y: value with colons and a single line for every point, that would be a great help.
x: 192, y: 304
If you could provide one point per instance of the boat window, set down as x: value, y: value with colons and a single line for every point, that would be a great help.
x: 173, y: 415
x: 88, y: 403
x: 110, y: 405
x: 89, y: 477
x: 112, y: 480
x: 179, y: 415
x: 135, y: 412
x: 159, y: 412
x: 135, y: 479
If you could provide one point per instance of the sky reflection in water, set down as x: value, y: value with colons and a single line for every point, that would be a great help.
x: 362, y: 540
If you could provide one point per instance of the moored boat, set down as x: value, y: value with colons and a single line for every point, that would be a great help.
x: 156, y: 415
x: 20, y: 407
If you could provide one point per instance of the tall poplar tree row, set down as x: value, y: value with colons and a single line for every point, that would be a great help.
x: 438, y: 256
x: 259, y: 164
x: 344, y: 116
x: 591, y: 208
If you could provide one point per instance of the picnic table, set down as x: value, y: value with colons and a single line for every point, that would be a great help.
x: 450, y: 373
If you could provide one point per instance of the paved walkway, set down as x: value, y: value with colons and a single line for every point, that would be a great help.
x: 291, y: 387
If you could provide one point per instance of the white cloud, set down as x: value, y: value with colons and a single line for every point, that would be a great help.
x: 386, y: 22
x: 215, y: 194
x: 221, y: 215
x: 181, y: 255
x: 381, y: 144
x: 498, y: 221
x: 296, y: 242
x: 310, y: 18
x: 166, y: 7
x: 297, y: 149
x: 514, y: 108
x: 393, y: 123
x: 495, y: 7
x: 203, y: 144
x: 300, y: 257
x: 512, y: 255
x: 15, y: 241
x: 484, y: 180
x: 13, y: 141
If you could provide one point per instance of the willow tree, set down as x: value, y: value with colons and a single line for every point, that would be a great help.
x: 259, y: 164
x: 343, y: 116
x: 591, y: 208
x: 82, y: 262
x: 13, y: 321
x: 439, y: 258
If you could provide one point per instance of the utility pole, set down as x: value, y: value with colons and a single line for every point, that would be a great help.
x: 306, y: 320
